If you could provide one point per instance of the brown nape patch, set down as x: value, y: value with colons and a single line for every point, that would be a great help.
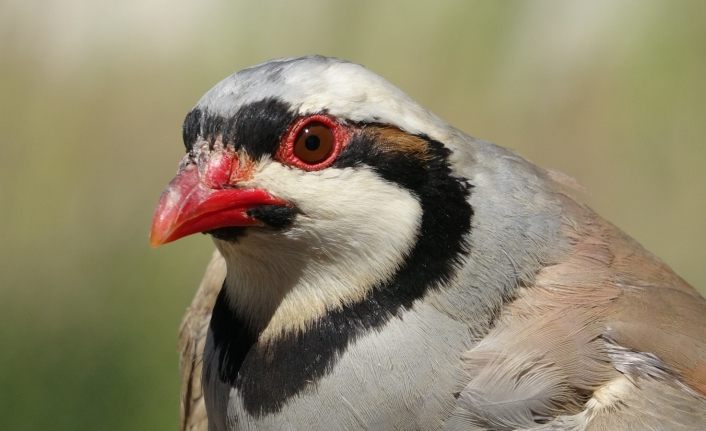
x: 391, y: 139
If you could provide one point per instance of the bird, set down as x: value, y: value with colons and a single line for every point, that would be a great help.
x: 376, y: 268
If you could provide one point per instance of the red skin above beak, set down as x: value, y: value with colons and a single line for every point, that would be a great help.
x: 192, y: 204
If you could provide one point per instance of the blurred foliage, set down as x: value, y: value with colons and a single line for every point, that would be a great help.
x: 93, y: 94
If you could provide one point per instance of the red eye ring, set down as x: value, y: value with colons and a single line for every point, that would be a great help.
x: 339, y: 133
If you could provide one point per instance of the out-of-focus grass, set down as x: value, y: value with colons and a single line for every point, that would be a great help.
x: 93, y: 94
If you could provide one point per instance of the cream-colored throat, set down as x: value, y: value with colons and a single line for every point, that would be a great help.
x: 282, y: 282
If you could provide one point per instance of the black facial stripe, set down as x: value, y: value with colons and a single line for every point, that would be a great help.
x: 273, y: 216
x: 231, y: 233
x: 269, y: 374
x: 399, y: 167
x: 256, y: 128
x: 232, y: 339
x: 191, y: 128
x: 446, y: 213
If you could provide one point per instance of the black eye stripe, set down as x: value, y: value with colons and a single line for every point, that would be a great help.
x: 191, y: 128
x: 256, y: 128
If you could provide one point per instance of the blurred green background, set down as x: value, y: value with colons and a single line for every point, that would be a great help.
x: 92, y: 98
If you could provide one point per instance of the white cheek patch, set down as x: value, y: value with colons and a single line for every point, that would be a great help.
x: 354, y: 231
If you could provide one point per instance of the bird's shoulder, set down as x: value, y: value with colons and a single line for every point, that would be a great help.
x: 607, y: 326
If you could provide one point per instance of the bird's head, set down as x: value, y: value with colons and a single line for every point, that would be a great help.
x: 316, y: 178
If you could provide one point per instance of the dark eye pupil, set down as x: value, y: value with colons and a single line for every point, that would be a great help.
x: 312, y: 143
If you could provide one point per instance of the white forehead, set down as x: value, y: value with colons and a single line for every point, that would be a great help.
x: 317, y: 84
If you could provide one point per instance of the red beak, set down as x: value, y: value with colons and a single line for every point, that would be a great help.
x: 189, y: 206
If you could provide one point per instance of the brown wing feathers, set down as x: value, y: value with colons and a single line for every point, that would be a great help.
x: 560, y: 340
x: 192, y: 338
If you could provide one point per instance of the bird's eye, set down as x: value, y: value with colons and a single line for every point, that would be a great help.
x: 314, y: 143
